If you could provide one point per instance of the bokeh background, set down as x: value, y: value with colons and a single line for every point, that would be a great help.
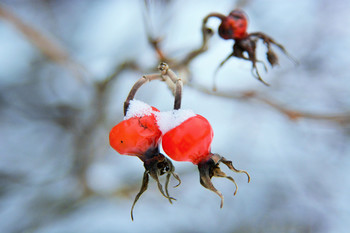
x: 67, y: 66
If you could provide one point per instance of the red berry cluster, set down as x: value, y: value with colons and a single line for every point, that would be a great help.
x: 185, y: 136
x: 234, y: 26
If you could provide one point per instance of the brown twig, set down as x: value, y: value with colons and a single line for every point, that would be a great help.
x: 155, y: 43
x: 207, y: 33
x: 341, y: 118
x: 127, y: 65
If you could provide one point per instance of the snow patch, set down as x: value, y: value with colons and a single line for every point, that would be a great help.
x: 138, y: 108
x: 170, y: 119
x: 165, y: 120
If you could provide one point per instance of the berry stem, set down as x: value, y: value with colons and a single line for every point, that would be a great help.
x: 268, y: 40
x: 137, y: 85
x: 167, y: 73
x: 207, y: 33
x: 216, y: 15
x: 210, y: 168
x: 178, y: 94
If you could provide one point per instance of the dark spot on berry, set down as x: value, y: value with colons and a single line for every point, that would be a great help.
x: 143, y: 126
x: 121, y: 141
x: 236, y: 17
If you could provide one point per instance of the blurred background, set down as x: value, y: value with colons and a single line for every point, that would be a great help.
x: 66, y: 68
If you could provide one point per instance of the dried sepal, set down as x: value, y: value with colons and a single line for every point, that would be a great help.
x: 240, y: 49
x: 272, y: 57
x: 156, y: 165
x: 167, y: 180
x: 206, y: 173
x: 229, y: 164
x: 142, y: 190
x: 218, y: 173
x: 234, y: 27
x: 268, y: 41
x: 210, y: 168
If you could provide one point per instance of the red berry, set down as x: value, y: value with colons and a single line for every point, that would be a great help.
x: 135, y: 135
x: 190, y: 141
x: 234, y: 26
x: 139, y: 135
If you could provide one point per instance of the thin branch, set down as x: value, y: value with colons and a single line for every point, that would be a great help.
x: 207, y: 33
x: 154, y: 42
x: 341, y: 118
x: 127, y: 65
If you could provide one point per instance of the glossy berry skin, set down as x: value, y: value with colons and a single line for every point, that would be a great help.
x: 190, y: 141
x: 234, y: 26
x: 136, y: 135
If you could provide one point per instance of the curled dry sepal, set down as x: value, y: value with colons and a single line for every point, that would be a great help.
x: 234, y: 27
x: 185, y: 136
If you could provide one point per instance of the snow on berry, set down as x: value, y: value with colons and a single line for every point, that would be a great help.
x: 171, y: 119
x: 138, y: 108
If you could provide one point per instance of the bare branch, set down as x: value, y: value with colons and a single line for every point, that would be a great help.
x: 341, y: 118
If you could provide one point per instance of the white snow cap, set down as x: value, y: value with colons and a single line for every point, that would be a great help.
x: 165, y: 120
x: 169, y: 120
x: 138, y: 108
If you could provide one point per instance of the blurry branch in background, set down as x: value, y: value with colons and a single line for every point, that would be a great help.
x: 84, y: 134
x: 183, y: 64
x: 127, y: 65
x: 207, y: 33
x: 154, y: 42
x: 341, y: 118
x: 89, y: 132
x: 46, y: 45
x: 56, y: 53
